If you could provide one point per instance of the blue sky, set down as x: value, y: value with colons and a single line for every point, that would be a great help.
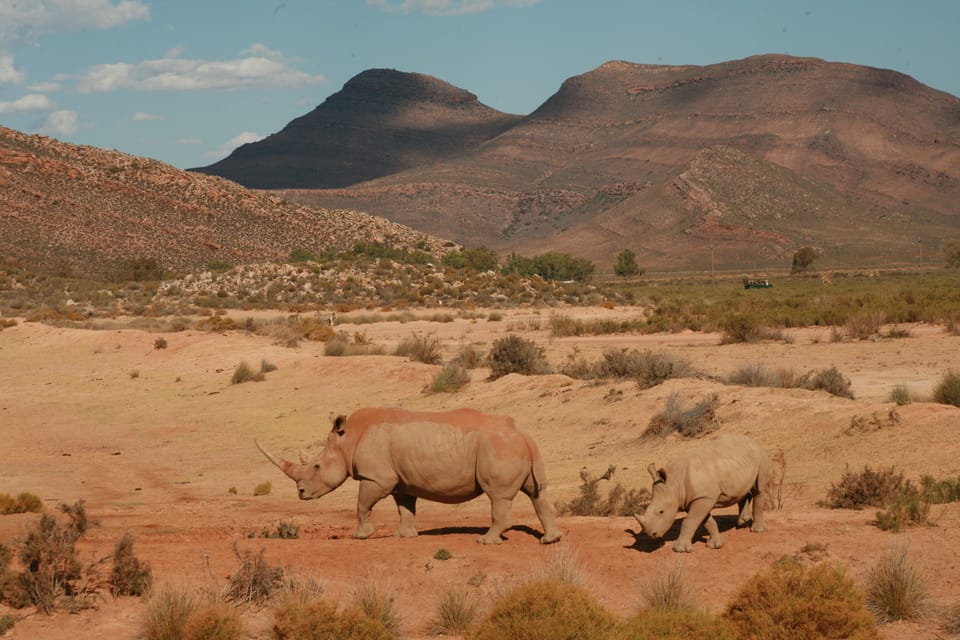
x: 186, y: 81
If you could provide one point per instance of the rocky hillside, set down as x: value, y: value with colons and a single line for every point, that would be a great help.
x: 86, y: 211
x: 618, y: 158
x: 383, y: 121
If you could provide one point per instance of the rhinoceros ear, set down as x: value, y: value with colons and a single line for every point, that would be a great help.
x: 658, y: 475
x: 338, y: 424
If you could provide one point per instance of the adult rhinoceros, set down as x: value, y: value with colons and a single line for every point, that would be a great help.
x: 731, y: 469
x: 449, y: 457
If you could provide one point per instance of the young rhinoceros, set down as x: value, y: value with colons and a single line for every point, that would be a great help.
x: 449, y: 457
x: 731, y: 469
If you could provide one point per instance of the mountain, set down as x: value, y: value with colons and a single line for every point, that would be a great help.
x: 383, y: 121
x: 752, y: 157
x: 87, y: 211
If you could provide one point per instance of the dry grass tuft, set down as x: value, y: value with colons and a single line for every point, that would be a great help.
x: 679, y: 416
x: 255, y: 582
x: 896, y: 589
x: 377, y: 600
x: 458, y: 607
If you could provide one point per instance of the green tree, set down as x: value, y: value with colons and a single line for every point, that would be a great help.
x: 803, y: 258
x: 951, y: 250
x: 626, y: 265
x: 477, y: 258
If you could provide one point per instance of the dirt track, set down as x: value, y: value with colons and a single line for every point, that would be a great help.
x: 154, y: 440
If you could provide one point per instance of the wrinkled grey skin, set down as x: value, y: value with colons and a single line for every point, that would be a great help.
x: 731, y: 469
x: 449, y: 457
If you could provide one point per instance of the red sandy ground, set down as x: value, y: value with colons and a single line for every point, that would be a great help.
x: 154, y: 440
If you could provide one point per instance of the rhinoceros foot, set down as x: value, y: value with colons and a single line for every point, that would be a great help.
x: 683, y: 547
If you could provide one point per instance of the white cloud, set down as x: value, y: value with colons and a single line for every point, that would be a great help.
x: 240, y: 139
x: 172, y: 73
x: 444, y: 7
x: 60, y: 124
x: 8, y: 70
x: 44, y: 87
x: 27, y: 20
x: 140, y: 116
x: 257, y: 49
x: 29, y: 103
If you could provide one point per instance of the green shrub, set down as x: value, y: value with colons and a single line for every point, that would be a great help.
x: 896, y: 590
x: 442, y: 554
x: 547, y: 610
x: 940, y: 491
x: 947, y: 390
x: 422, y: 348
x: 300, y: 621
x: 791, y: 602
x: 677, y: 624
x: 166, y: 614
x: 6, y: 623
x: 908, y: 508
x: 619, y: 501
x: 283, y: 531
x: 263, y: 489
x: 514, y: 354
x: 130, y: 576
x: 213, y: 621
x: 690, y: 421
x: 452, y: 377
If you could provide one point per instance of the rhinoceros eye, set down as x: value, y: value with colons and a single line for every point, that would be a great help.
x: 316, y: 466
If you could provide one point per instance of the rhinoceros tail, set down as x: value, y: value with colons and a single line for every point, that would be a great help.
x: 538, y: 470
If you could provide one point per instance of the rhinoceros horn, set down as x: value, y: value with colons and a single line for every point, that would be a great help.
x: 284, y: 465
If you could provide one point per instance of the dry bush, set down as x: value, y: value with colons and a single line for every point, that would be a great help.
x: 773, y: 489
x: 677, y: 624
x: 667, y: 591
x: 468, y: 357
x: 896, y: 331
x: 215, y: 620
x: 255, y: 582
x: 263, y: 489
x: 377, y: 600
x: 545, y: 611
x: 896, y: 589
x: 421, y: 348
x: 947, y: 390
x: 757, y: 374
x: 646, y: 367
x: 245, y: 373
x: 166, y: 614
x: 130, y: 576
x: 160, y: 343
x: 862, y: 424
x: 514, y: 354
x: 951, y: 622
x: 340, y: 345
x: 864, y: 325
x: 562, y: 565
x: 452, y: 377
x: 54, y: 575
x: 619, y: 501
x: 678, y: 416
x: 908, y: 508
x: 789, y: 601
x: 290, y: 331
x: 458, y: 607
x: 940, y: 491
x: 24, y: 503
x: 740, y: 327
x: 867, y: 488
x: 901, y: 395
x: 829, y: 380
x: 6, y: 621
x: 317, y: 619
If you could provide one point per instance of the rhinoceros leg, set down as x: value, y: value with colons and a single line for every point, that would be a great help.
x: 715, y: 541
x: 407, y: 507
x: 746, y: 510
x: 757, y: 526
x: 697, y: 513
x: 370, y: 494
x: 547, y: 516
x: 502, y: 519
